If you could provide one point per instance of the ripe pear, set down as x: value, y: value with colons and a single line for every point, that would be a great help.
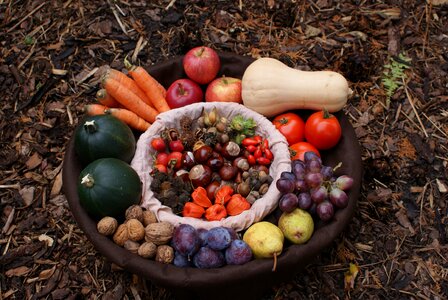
x: 297, y: 226
x: 265, y: 239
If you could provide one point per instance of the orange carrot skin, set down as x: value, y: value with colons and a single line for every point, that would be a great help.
x: 150, y: 86
x: 129, y: 100
x: 129, y: 83
x: 129, y: 117
x: 94, y: 109
x: 105, y: 99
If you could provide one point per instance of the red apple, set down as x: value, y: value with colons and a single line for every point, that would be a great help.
x: 183, y: 92
x: 224, y: 89
x: 201, y: 64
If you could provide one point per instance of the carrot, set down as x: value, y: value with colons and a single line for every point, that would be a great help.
x: 150, y: 86
x: 94, y: 109
x: 105, y: 99
x: 129, y: 100
x: 129, y: 117
x: 129, y: 83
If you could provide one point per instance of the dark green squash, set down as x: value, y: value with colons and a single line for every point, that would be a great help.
x: 107, y: 187
x: 104, y: 136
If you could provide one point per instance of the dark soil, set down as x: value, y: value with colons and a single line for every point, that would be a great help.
x: 50, y: 52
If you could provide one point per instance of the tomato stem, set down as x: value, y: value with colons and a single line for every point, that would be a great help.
x: 283, y: 121
x: 327, y: 114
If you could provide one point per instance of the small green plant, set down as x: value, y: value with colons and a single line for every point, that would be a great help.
x: 394, y: 74
x: 28, y: 40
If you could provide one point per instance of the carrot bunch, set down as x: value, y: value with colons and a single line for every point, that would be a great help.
x: 226, y: 203
x: 136, y: 99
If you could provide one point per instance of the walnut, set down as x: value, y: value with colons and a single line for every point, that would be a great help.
x: 147, y: 250
x: 165, y: 254
x: 159, y: 233
x: 149, y: 217
x: 134, y: 212
x: 131, y: 246
x: 107, y: 226
x: 121, y: 235
x: 136, y: 231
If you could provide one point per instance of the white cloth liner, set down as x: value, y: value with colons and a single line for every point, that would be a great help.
x: 144, y: 157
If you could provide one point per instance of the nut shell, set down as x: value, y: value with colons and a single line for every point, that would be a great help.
x: 107, y: 226
x: 159, y: 233
x: 136, y: 230
x: 121, y: 235
x: 147, y: 250
x: 149, y: 217
x: 165, y: 254
x: 131, y: 246
x: 134, y: 212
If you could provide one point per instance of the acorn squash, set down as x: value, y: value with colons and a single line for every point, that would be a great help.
x: 107, y: 187
x: 104, y: 136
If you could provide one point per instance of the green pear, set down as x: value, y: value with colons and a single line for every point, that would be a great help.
x: 265, y: 239
x: 297, y: 226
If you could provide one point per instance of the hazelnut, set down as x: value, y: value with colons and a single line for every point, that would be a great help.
x: 134, y: 212
x: 159, y: 233
x: 121, y: 235
x: 149, y: 217
x: 147, y: 250
x: 107, y: 226
x: 131, y: 246
x: 165, y: 254
x: 136, y: 231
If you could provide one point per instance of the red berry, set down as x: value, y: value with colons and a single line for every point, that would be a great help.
x: 158, y: 144
x: 162, y: 159
x: 175, y: 160
x: 176, y: 146
x: 161, y: 168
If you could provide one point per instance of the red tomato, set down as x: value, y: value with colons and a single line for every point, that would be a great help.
x: 291, y: 126
x: 175, y: 159
x: 298, y: 150
x: 162, y: 159
x: 322, y: 130
x: 158, y: 144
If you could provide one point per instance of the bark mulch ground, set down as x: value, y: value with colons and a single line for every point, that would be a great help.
x: 396, y: 247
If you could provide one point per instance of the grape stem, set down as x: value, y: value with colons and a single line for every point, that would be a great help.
x: 337, y: 166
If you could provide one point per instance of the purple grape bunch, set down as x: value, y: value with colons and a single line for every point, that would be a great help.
x: 206, y: 249
x: 312, y: 186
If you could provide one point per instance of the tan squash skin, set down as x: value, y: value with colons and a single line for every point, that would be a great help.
x: 270, y: 87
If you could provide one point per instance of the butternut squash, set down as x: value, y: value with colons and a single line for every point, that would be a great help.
x: 270, y: 87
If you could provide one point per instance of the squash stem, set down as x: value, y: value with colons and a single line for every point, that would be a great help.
x: 327, y: 114
x: 88, y: 181
x: 90, y: 126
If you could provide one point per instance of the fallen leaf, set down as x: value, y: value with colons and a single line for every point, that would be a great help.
x: 19, y: 271
x: 438, y: 2
x: 404, y: 220
x: 441, y: 186
x: 27, y: 194
x: 46, y: 274
x: 34, y: 161
x: 57, y: 185
x: 350, y: 276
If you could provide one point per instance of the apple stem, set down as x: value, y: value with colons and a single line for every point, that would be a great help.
x: 224, y: 79
x: 274, y: 267
x: 201, y: 51
x: 181, y: 89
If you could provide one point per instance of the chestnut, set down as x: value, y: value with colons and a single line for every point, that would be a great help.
x: 202, y: 154
x: 188, y: 160
x: 183, y: 174
x: 215, y: 162
x: 227, y: 172
x: 211, y: 189
x: 241, y: 163
x: 230, y: 150
x: 200, y: 175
